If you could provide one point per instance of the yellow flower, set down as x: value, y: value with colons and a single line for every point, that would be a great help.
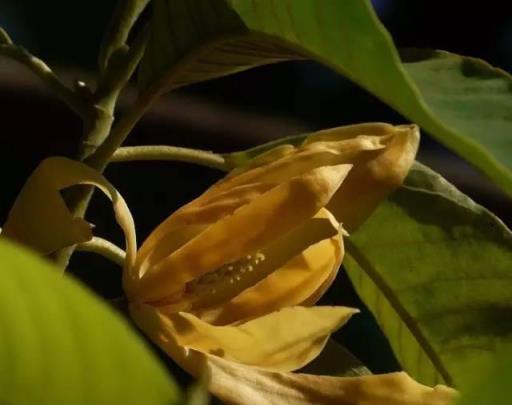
x: 228, y: 282
x: 230, y: 272
x: 235, y: 271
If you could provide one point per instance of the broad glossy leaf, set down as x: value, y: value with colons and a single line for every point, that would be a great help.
x: 59, y: 345
x: 435, y: 269
x: 195, y: 40
x: 468, y: 97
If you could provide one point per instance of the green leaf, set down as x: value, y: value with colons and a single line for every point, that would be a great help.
x: 335, y: 360
x: 194, y: 40
x: 60, y: 345
x: 435, y: 269
x: 493, y: 386
x: 470, y: 102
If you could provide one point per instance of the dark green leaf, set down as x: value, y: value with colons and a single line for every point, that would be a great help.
x: 335, y: 360
x: 60, y: 345
x: 194, y: 40
x: 436, y: 271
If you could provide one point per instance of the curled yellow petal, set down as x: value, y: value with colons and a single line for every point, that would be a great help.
x: 273, y: 257
x: 381, y: 154
x: 185, y: 223
x: 303, y: 159
x: 374, y: 177
x: 283, y: 340
x: 302, y: 280
x: 238, y: 384
x: 376, y: 129
x: 255, y: 225
x: 40, y: 218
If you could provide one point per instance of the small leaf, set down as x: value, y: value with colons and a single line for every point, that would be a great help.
x: 335, y: 360
x: 435, y: 269
x: 196, y: 40
x: 60, y: 345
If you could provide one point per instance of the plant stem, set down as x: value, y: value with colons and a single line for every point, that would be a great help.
x: 104, y: 248
x: 124, y: 17
x: 79, y: 200
x: 172, y: 153
x: 120, y: 131
x: 41, y: 69
x: 4, y: 37
x: 119, y: 72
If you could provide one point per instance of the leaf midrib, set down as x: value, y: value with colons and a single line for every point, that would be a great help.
x: 354, y: 252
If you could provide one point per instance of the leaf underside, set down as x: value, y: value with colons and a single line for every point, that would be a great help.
x: 195, y: 40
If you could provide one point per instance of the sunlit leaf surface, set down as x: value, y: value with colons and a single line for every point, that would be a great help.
x: 60, y: 345
x: 436, y: 271
x: 195, y: 40
x: 491, y: 386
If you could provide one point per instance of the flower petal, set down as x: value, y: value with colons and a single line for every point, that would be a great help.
x: 301, y: 280
x: 276, y: 255
x: 284, y: 340
x: 40, y: 218
x: 248, y: 229
x: 220, y: 204
x: 164, y: 241
x: 353, y: 144
x: 375, y: 129
x: 239, y: 384
x: 304, y: 158
x: 186, y: 223
x: 374, y: 179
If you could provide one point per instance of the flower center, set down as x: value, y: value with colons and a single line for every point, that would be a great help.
x: 232, y: 273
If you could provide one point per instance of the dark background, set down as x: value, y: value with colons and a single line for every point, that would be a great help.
x: 226, y: 114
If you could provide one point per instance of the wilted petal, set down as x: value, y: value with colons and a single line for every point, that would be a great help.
x: 255, y: 225
x: 302, y: 280
x: 284, y: 340
x: 303, y: 159
x: 40, y: 218
x: 238, y: 384
x: 373, y: 179
x: 376, y: 129
x: 381, y: 154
